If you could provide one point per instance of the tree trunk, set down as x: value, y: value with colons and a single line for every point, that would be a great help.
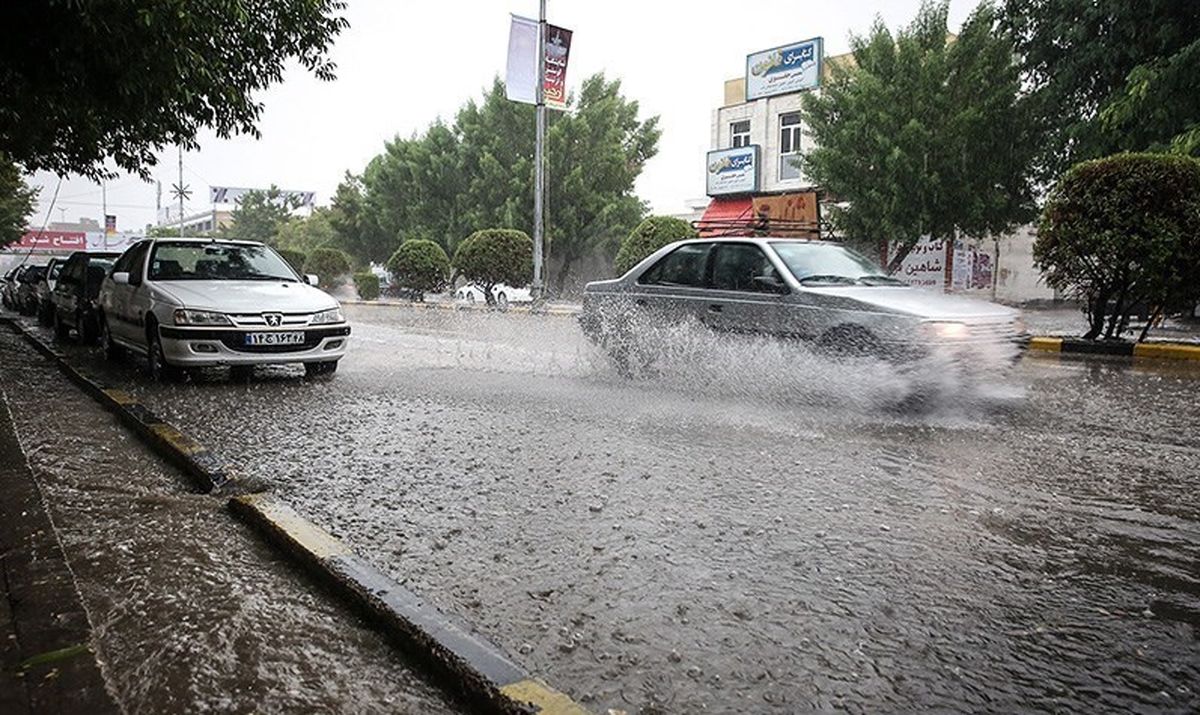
x: 1095, y: 314
x: 1154, y: 316
x: 560, y: 280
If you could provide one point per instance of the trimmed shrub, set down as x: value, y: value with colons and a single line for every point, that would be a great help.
x: 650, y: 235
x: 1123, y: 232
x: 294, y: 258
x: 493, y: 256
x: 330, y: 265
x: 419, y: 266
x: 367, y: 285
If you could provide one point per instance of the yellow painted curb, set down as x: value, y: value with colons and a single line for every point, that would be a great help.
x: 286, y: 521
x: 120, y: 397
x: 547, y: 700
x: 1047, y: 344
x: 1167, y: 351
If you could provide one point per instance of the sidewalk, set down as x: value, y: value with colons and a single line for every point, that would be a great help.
x: 45, y: 657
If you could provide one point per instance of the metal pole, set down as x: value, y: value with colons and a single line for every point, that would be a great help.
x: 539, y: 182
x: 181, y: 191
x: 104, y: 210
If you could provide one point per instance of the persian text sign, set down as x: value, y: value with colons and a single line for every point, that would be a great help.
x: 782, y: 70
x: 925, y: 264
x: 558, y: 47
x: 52, y: 240
x: 732, y: 171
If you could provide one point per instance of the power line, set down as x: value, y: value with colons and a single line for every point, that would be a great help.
x: 44, y: 222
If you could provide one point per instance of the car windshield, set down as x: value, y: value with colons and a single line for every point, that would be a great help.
x: 829, y: 263
x: 217, y: 262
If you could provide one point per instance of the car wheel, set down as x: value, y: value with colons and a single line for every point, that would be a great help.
x: 112, y: 351
x: 84, y: 331
x: 45, y: 314
x: 160, y: 369
x: 502, y: 301
x: 60, y: 328
x: 315, y: 369
x: 853, y: 341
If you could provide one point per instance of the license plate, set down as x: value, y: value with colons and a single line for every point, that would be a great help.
x: 274, y: 338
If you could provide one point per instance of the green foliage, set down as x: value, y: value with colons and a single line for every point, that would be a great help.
x: 87, y: 82
x: 16, y: 202
x: 1108, y: 76
x: 1124, y: 230
x: 650, y: 235
x: 330, y: 265
x: 493, y: 256
x: 296, y: 259
x: 367, y: 285
x: 260, y: 215
x: 420, y: 266
x: 452, y: 179
x: 923, y: 134
x: 173, y: 232
x: 305, y: 233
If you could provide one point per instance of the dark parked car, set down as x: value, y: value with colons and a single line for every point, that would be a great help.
x: 45, y: 287
x: 27, y: 281
x: 75, y: 294
x: 8, y: 288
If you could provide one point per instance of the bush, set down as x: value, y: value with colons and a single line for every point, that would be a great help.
x: 650, y: 235
x: 295, y: 259
x: 367, y: 285
x: 1123, y: 231
x: 493, y: 256
x: 419, y: 266
x: 330, y: 265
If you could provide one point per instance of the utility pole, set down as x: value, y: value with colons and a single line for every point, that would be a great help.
x: 182, y: 191
x: 104, y: 210
x: 539, y: 182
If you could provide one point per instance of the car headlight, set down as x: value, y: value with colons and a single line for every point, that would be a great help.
x: 945, y: 330
x: 333, y: 315
x: 183, y: 316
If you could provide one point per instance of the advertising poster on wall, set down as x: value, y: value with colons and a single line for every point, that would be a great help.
x: 783, y: 70
x: 924, y: 266
x: 732, y: 171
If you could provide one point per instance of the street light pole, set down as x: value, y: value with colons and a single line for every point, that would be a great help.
x: 539, y: 182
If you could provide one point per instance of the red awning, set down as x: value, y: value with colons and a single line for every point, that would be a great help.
x: 727, y: 217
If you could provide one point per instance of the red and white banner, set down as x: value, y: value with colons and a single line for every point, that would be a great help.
x: 558, y: 47
x: 52, y: 241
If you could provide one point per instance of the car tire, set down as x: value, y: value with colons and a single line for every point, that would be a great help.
x: 61, y: 331
x: 160, y: 369
x: 84, y: 332
x: 850, y: 341
x: 45, y: 314
x: 317, y: 369
x: 112, y: 351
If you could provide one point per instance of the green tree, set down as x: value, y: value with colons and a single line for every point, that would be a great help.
x: 493, y: 256
x: 367, y: 285
x: 420, y: 266
x: 295, y: 259
x: 16, y: 202
x: 1122, y: 231
x: 305, y: 233
x: 1107, y: 76
x: 923, y: 134
x: 84, y: 82
x: 650, y: 235
x: 330, y: 265
x: 260, y: 215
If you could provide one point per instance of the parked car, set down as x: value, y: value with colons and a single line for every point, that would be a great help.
x: 45, y: 287
x: 8, y: 286
x: 816, y: 291
x: 26, y: 298
x: 503, y: 294
x: 74, y: 304
x: 188, y: 303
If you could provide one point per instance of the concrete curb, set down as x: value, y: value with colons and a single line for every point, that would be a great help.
x: 1158, y: 351
x: 209, y: 472
x: 481, y: 672
x: 464, y: 307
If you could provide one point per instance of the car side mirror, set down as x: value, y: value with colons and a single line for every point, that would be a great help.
x: 772, y: 284
x: 311, y: 279
x: 121, y: 278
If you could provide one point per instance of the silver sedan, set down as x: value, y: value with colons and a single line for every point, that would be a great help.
x: 817, y: 291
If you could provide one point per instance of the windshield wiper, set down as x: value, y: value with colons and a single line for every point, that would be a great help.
x: 265, y: 277
x: 842, y: 280
x: 877, y: 280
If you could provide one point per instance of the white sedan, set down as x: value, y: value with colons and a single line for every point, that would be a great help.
x: 188, y: 303
x: 504, y: 294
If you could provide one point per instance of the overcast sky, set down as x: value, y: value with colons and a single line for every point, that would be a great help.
x: 403, y: 64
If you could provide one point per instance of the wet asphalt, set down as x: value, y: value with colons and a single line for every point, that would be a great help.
x: 747, y: 527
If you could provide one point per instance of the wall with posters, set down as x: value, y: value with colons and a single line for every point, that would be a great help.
x: 924, y: 266
x: 1001, y: 270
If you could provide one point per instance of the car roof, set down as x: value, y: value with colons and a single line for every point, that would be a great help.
x: 759, y: 239
x: 193, y: 239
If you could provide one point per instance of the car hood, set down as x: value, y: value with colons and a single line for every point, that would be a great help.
x: 247, y: 296
x: 926, y: 304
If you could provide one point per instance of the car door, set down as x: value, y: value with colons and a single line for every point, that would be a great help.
x: 746, y: 292
x: 123, y: 320
x: 673, y: 290
x: 66, y: 288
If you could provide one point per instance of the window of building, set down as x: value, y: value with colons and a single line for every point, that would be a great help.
x: 789, y: 145
x: 739, y: 133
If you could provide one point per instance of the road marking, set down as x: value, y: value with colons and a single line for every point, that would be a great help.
x: 1046, y: 344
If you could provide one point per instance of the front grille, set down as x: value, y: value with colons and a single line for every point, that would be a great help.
x: 994, y: 332
x: 236, y: 341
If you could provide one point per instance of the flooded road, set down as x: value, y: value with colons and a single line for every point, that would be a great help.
x: 749, y: 529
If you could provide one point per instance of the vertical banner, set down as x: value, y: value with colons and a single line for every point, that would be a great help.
x: 110, y: 224
x: 558, y: 47
x: 520, y: 78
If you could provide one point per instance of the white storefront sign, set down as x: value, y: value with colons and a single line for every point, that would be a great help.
x: 783, y: 70
x: 732, y: 171
x: 924, y: 266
